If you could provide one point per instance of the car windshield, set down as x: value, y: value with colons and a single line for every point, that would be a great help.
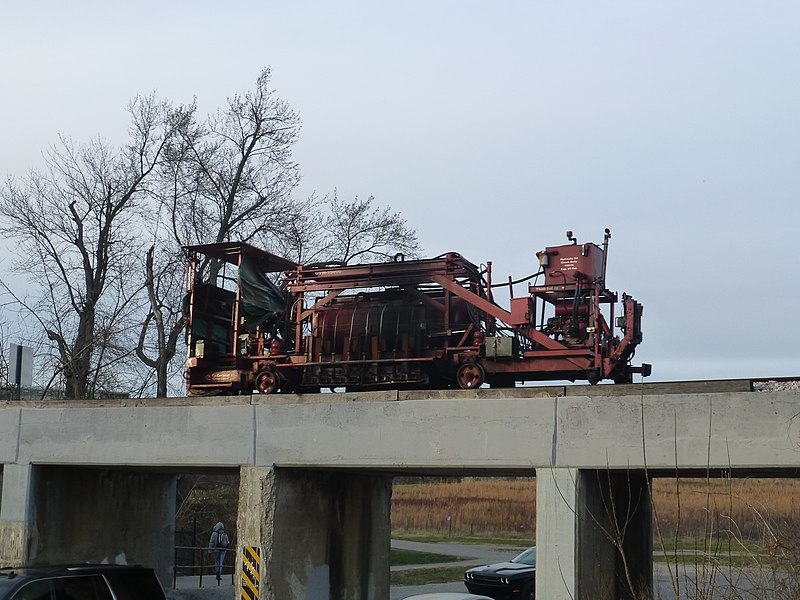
x: 526, y: 558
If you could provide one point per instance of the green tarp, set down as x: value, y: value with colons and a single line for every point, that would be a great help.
x: 260, y: 299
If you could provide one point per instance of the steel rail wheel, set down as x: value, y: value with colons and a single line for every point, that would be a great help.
x: 470, y: 375
x: 268, y: 382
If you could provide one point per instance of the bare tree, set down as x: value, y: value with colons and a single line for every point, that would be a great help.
x: 303, y: 239
x: 77, y: 227
x: 353, y: 231
x: 164, y: 286
x: 232, y: 177
x: 357, y: 231
x: 5, y: 376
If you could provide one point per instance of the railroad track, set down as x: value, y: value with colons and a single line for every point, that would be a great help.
x: 697, y: 386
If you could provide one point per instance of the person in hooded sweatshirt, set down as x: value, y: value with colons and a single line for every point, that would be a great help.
x: 217, y: 547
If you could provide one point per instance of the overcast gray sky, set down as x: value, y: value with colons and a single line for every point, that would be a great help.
x: 493, y: 127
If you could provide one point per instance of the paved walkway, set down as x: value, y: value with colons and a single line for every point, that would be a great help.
x: 188, y: 588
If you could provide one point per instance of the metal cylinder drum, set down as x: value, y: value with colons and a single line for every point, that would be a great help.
x: 373, y: 327
x: 566, y: 309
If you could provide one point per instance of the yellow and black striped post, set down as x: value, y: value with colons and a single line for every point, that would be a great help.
x: 251, y: 569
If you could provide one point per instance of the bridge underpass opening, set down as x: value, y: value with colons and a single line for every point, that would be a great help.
x: 727, y: 534
x: 465, y: 506
x: 582, y: 521
x: 203, y: 499
x: 54, y: 514
x: 85, y: 514
x: 720, y: 520
x: 321, y: 532
x: 460, y: 513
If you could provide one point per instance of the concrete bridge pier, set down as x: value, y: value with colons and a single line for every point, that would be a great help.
x: 17, y: 533
x: 321, y: 534
x: 593, y: 534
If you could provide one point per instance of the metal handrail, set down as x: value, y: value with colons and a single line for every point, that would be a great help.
x: 199, y: 568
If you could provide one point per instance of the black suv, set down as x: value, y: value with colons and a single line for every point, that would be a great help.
x: 80, y: 582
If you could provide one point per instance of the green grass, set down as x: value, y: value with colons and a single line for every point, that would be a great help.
x: 399, y: 557
x: 720, y: 561
x: 425, y: 576
x: 514, y: 542
x: 716, y: 546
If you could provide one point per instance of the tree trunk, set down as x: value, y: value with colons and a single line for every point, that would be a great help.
x: 161, y: 375
x: 77, y: 366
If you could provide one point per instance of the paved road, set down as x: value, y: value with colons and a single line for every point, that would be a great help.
x: 473, y: 555
x: 749, y: 585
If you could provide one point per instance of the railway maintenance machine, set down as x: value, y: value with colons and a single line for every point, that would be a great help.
x: 267, y: 324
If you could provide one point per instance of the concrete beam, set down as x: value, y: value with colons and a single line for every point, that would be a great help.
x: 689, y: 431
x: 732, y: 430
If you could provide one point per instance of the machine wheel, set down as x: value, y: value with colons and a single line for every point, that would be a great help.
x: 470, y: 375
x: 268, y: 382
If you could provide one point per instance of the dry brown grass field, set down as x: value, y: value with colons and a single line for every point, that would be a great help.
x: 751, y: 509
x: 473, y: 505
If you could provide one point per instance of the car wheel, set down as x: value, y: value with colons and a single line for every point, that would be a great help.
x: 528, y: 592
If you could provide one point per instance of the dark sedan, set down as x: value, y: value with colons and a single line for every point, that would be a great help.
x: 513, y: 580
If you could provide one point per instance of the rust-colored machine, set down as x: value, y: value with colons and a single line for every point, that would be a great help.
x: 432, y: 323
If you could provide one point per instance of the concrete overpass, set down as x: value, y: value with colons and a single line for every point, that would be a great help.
x: 92, y: 480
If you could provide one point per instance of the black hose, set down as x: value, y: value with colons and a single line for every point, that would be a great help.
x: 524, y: 279
x: 575, y: 305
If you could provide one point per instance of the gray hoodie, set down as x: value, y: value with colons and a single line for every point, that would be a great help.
x: 219, y: 539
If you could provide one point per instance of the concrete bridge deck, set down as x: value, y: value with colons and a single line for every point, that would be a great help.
x: 616, y: 427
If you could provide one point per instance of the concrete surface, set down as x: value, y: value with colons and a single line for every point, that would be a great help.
x: 738, y: 430
x: 188, y: 588
x: 318, y: 532
x: 16, y: 508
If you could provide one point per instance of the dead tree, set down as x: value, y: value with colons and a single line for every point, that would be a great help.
x: 77, y: 225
